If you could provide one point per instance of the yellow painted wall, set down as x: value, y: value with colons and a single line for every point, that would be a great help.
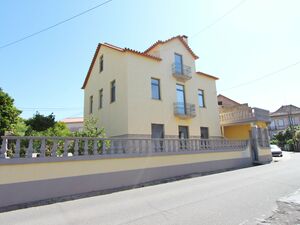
x: 143, y: 110
x: 40, y: 171
x: 240, y: 132
x: 261, y: 124
x: 134, y: 110
x: 112, y: 116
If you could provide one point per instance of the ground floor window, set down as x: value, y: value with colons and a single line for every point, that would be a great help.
x: 183, y: 132
x: 157, y: 131
x: 204, y: 132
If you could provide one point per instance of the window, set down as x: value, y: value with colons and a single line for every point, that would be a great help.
x: 113, y: 91
x: 101, y: 64
x: 91, y: 104
x: 201, y: 98
x: 155, y: 88
x: 280, y: 122
x: 220, y: 103
x: 100, y: 98
x: 204, y: 132
x: 183, y: 132
x: 178, y: 64
x: 157, y: 130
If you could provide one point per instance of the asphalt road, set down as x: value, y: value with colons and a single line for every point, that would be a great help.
x: 237, y: 197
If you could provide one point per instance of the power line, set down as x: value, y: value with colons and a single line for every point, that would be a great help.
x: 50, y: 109
x: 264, y: 76
x: 219, y: 18
x: 52, y: 26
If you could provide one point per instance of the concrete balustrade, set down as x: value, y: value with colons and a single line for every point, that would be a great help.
x: 39, y: 147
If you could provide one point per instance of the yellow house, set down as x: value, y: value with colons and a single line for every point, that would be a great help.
x: 155, y: 93
x: 237, y: 120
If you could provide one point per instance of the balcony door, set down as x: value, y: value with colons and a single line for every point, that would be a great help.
x: 178, y: 64
x: 180, y: 95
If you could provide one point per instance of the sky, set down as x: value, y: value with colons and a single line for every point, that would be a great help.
x: 243, y: 42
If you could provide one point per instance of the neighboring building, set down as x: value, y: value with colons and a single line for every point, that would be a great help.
x: 237, y: 120
x: 74, y: 124
x: 156, y: 93
x: 284, y: 117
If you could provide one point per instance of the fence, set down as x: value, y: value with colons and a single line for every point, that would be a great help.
x: 33, y: 147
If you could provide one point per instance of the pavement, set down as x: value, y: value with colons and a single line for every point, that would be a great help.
x: 240, y: 197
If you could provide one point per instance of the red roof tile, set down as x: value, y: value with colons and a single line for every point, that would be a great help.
x: 73, y: 120
x: 179, y: 37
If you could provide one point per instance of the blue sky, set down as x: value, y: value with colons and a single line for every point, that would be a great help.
x: 45, y: 73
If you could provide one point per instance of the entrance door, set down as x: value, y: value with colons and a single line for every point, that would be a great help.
x: 180, y: 99
x: 183, y: 132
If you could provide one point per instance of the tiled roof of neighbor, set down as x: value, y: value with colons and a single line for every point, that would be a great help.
x: 286, y: 109
x: 207, y: 75
x: 179, y: 37
x: 228, y: 99
x: 144, y: 54
x: 73, y: 120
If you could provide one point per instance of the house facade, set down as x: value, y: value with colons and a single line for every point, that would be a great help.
x: 156, y: 93
x: 284, y: 117
x: 238, y: 120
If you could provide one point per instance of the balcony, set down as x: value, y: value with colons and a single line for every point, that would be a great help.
x: 243, y: 114
x: 181, y: 72
x: 184, y: 111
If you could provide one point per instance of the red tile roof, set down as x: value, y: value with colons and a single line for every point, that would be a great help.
x: 207, y: 75
x: 180, y: 38
x: 73, y: 120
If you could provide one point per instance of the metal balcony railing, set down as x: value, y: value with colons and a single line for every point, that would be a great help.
x: 243, y: 114
x: 184, y: 111
x: 181, y: 71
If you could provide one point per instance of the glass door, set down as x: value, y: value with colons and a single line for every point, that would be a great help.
x: 178, y: 64
x: 180, y: 94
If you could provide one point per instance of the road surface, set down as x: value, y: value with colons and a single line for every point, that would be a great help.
x: 240, y: 197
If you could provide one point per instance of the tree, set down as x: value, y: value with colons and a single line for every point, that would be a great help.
x: 20, y: 128
x: 40, y: 122
x: 8, y: 113
x: 59, y: 129
x: 90, y: 129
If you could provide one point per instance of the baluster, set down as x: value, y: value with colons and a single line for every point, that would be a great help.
x: 43, y: 147
x: 103, y: 147
x: 86, y: 146
x: 76, y: 147
x: 66, y: 143
x: 30, y: 148
x: 3, y: 147
x: 95, y: 147
x: 54, y: 148
x: 140, y: 145
x: 17, y: 150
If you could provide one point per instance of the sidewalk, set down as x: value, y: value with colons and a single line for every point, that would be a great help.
x: 288, y: 211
